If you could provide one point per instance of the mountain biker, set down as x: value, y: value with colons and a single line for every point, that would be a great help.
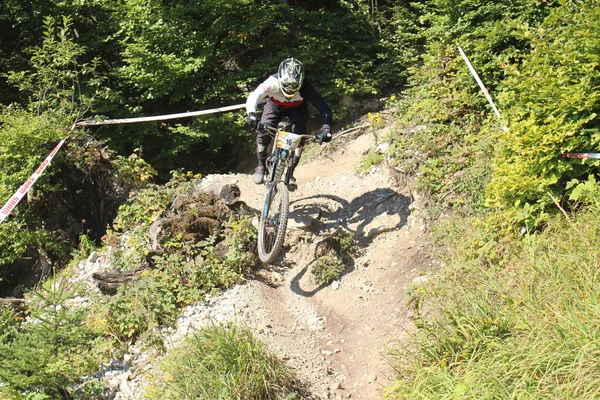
x: 287, y: 94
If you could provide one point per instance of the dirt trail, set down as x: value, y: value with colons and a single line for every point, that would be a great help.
x: 335, y: 337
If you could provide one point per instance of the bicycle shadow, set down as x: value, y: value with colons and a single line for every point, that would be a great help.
x: 365, y: 217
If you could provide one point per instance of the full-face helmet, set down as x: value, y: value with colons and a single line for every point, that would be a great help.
x: 290, y: 76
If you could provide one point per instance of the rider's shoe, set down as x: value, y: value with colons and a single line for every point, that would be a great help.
x: 259, y: 175
x: 292, y: 185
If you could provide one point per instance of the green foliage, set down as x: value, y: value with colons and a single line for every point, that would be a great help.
x: 181, y: 274
x: 85, y: 248
x: 9, y: 323
x: 54, y: 82
x: 140, y: 308
x: 327, y: 268
x: 50, y: 353
x: 447, y: 140
x: 370, y: 160
x: 223, y: 362
x: 551, y: 101
x: 401, y: 36
x: 345, y: 244
x: 339, y: 248
x: 26, y: 141
x: 508, y: 319
x: 134, y: 171
x: 144, y: 208
x: 28, y: 134
x: 240, y: 241
x: 584, y: 192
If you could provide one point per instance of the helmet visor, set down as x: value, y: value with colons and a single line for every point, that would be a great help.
x: 290, y: 91
x: 289, y: 87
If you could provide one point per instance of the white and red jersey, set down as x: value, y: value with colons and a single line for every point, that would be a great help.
x: 270, y: 89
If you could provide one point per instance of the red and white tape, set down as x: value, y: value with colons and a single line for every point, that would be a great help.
x: 581, y: 155
x: 20, y: 193
x: 160, y: 117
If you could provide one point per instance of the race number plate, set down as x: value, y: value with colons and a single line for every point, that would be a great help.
x: 287, y: 140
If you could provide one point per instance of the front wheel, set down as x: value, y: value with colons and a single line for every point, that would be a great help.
x: 273, y: 222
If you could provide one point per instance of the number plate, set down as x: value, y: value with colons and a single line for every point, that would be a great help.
x: 287, y: 140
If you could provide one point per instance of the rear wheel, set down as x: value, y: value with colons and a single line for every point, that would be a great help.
x: 273, y: 223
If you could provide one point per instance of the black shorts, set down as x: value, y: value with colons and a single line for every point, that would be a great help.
x: 272, y: 114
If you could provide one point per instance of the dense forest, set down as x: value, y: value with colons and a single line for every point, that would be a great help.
x: 514, y: 194
x: 67, y: 61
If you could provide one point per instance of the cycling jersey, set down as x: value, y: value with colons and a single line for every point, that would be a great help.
x: 270, y: 89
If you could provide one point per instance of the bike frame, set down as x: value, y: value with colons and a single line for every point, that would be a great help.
x: 281, y: 159
x: 271, y: 232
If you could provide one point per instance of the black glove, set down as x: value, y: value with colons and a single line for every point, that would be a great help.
x: 251, y: 120
x: 324, y: 134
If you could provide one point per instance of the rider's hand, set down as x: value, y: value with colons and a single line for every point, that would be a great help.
x: 324, y: 134
x: 251, y: 120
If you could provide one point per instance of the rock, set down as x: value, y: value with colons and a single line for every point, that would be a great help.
x: 228, y: 192
x: 93, y: 257
x: 297, y: 222
x: 383, y: 148
x: 18, y: 305
x: 108, y: 282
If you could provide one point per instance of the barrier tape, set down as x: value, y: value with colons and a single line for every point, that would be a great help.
x: 482, y: 86
x: 20, y: 193
x: 581, y: 155
x: 160, y: 117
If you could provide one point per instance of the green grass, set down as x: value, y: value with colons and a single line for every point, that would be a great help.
x: 224, y: 362
x: 370, y: 160
x: 510, y: 320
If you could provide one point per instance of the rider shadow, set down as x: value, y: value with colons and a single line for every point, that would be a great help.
x: 365, y: 217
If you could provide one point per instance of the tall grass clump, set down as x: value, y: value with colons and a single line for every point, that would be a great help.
x: 516, y: 320
x: 224, y: 362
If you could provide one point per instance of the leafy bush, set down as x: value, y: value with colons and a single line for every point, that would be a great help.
x: 140, y: 308
x: 224, y: 362
x: 339, y: 248
x: 552, y: 102
x: 28, y: 133
x: 327, y: 268
x: 443, y: 136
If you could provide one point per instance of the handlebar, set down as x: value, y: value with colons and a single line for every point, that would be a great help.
x: 275, y: 130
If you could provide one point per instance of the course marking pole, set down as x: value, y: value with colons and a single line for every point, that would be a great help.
x: 482, y: 86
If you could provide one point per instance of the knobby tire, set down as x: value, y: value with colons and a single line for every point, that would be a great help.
x: 271, y: 231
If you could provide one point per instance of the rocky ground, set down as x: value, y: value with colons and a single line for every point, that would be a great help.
x: 335, y: 338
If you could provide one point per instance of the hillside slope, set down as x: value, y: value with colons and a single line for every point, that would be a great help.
x: 333, y: 337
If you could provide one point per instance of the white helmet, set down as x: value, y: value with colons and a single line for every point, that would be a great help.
x: 290, y: 76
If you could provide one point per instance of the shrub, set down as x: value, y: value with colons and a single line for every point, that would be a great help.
x: 336, y: 252
x: 327, y: 268
x: 551, y: 101
x: 52, y: 351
